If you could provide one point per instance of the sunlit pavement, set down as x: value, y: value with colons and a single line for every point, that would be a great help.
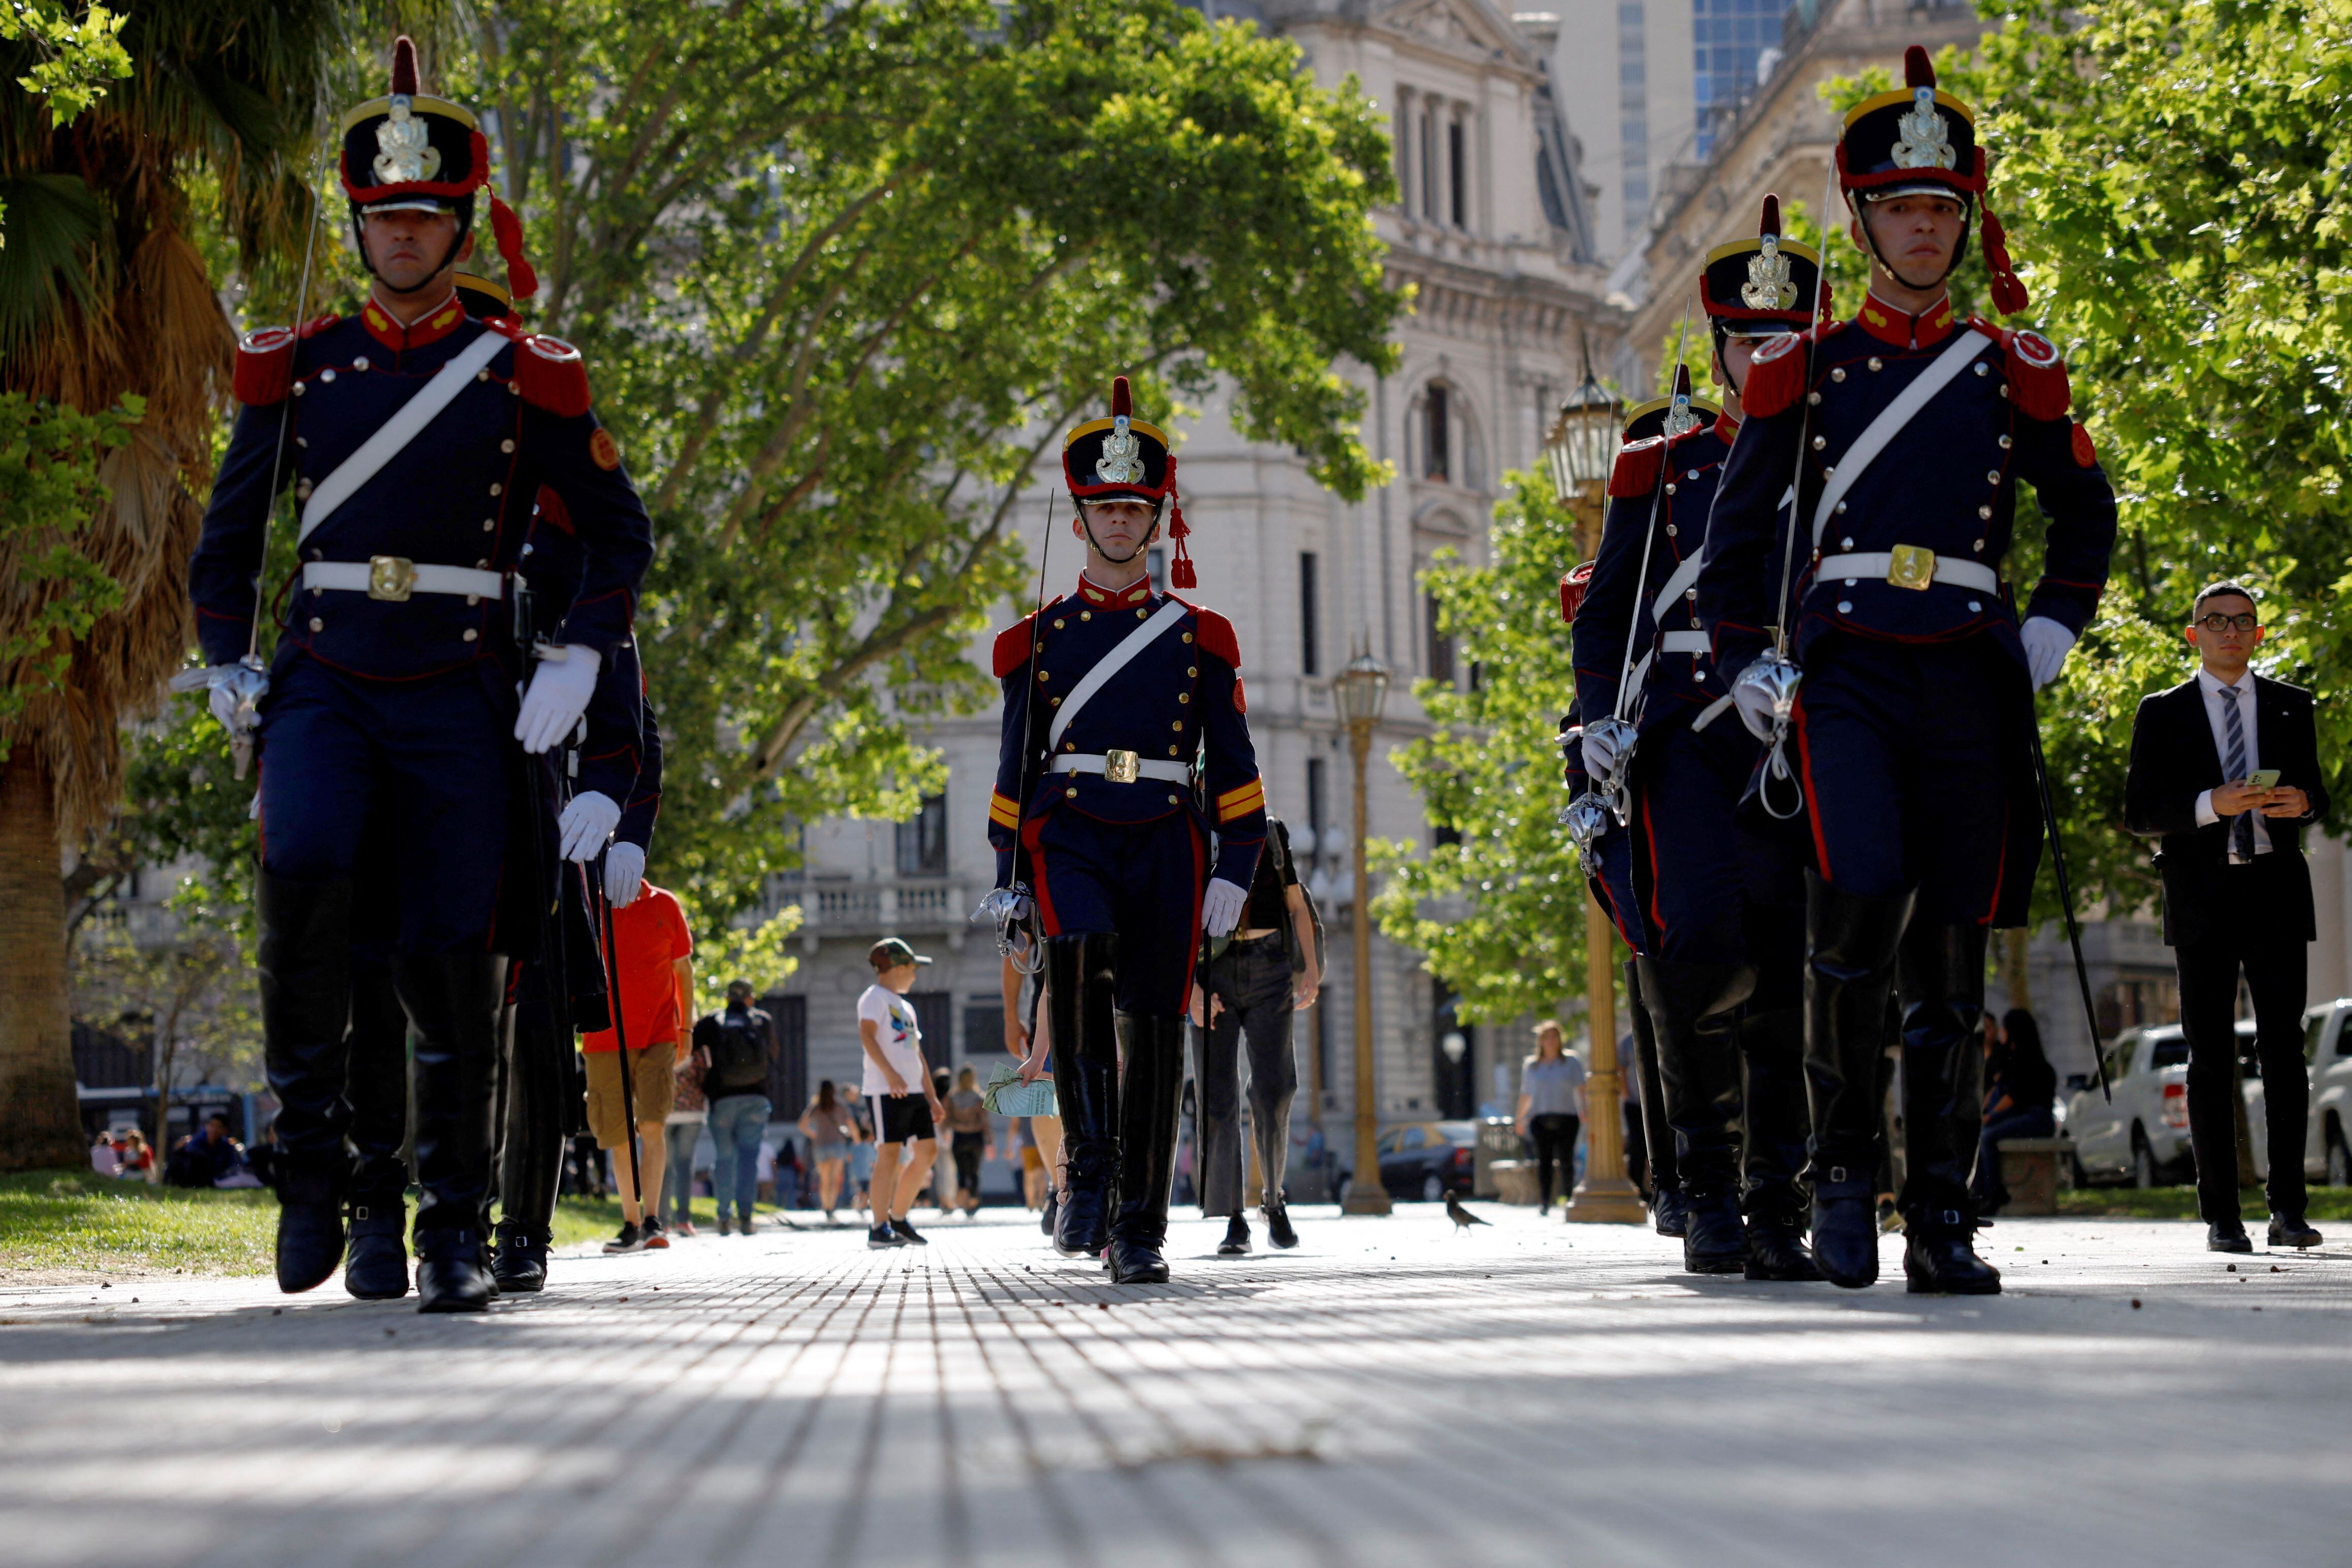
x: 1391, y: 1392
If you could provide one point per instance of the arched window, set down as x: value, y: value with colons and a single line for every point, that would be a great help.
x: 1437, y: 433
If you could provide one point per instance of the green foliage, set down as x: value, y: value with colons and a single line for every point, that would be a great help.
x: 71, y: 60
x: 50, y: 487
x: 1501, y: 912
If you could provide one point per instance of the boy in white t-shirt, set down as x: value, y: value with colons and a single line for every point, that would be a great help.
x: 898, y: 1083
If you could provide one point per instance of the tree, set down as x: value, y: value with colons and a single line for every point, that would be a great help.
x: 104, y: 296
x: 1500, y: 911
x: 188, y: 989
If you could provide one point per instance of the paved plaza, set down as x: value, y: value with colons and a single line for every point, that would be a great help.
x: 1391, y: 1392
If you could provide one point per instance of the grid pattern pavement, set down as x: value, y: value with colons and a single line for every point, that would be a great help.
x: 1392, y: 1393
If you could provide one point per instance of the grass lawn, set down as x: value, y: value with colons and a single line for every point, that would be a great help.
x: 2181, y: 1203
x: 67, y: 1224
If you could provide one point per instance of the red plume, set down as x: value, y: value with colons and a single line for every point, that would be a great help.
x: 1121, y: 400
x: 1918, y: 70
x: 1681, y: 381
x: 1828, y: 309
x: 2009, y: 296
x: 1179, y: 571
x: 403, y: 66
x: 1770, y: 221
x: 506, y: 228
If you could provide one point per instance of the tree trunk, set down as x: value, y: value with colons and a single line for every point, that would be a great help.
x: 2014, y: 974
x: 43, y: 1126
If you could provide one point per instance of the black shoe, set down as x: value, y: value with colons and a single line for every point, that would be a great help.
x: 907, y: 1233
x: 521, y: 1263
x: 451, y: 1276
x: 1776, y: 1250
x: 1237, y: 1242
x: 1670, y: 1211
x: 1938, y: 1260
x: 657, y: 1237
x: 2289, y: 1230
x: 1277, y: 1227
x: 882, y: 1235
x: 1053, y: 1206
x: 309, y: 1227
x: 375, y: 1260
x: 1715, y: 1242
x: 631, y: 1239
x: 1137, y: 1263
x: 2226, y: 1238
x: 1845, y: 1232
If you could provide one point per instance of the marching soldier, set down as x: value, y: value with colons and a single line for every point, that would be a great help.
x: 414, y: 437
x: 1124, y: 746
x: 1720, y: 911
x: 1907, y: 431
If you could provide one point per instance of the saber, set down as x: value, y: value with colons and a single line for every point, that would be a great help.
x: 1011, y: 909
x: 2066, y: 897
x: 599, y: 900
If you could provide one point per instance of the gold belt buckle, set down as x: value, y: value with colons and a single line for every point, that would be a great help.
x: 1913, y: 567
x: 1122, y: 767
x: 391, y: 577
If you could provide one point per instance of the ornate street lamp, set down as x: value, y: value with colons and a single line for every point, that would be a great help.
x: 1581, y: 449
x: 1361, y: 690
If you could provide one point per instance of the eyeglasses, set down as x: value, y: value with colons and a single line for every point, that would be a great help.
x: 2245, y: 623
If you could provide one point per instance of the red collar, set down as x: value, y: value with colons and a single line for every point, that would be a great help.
x: 1138, y: 593
x: 1902, y: 331
x: 1727, y: 428
x: 430, y: 327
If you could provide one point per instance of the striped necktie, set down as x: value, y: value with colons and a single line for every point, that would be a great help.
x: 2233, y: 766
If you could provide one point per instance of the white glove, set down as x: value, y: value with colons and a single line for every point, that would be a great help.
x: 1601, y: 750
x: 585, y: 823
x: 223, y: 703
x: 559, y: 690
x: 2046, y: 645
x: 625, y: 874
x: 1221, y: 907
x: 1755, y: 706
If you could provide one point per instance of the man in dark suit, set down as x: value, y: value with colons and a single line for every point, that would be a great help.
x: 2237, y: 894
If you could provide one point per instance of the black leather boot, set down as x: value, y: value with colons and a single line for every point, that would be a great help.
x: 454, y: 1001
x: 1150, y: 1098
x: 1081, y: 980
x: 304, y: 971
x: 530, y: 1142
x: 1850, y: 940
x: 1773, y: 1125
x: 1943, y: 1109
x: 1693, y: 1009
x: 1668, y: 1212
x: 375, y: 1259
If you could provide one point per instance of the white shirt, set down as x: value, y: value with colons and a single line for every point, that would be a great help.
x: 2216, y: 693
x: 893, y: 1017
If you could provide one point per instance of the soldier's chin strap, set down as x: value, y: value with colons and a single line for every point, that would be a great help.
x: 1096, y: 545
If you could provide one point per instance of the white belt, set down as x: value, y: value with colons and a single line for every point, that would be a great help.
x: 395, y: 577
x: 1918, y: 569
x: 1684, y: 642
x: 1121, y: 767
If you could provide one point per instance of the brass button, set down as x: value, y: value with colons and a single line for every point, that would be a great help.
x: 1878, y: 363
x: 359, y: 364
x: 1059, y: 625
x: 1071, y: 793
x: 1846, y: 544
x: 1171, y: 800
x: 1672, y: 531
x: 1841, y: 509
x: 488, y: 523
x: 1183, y: 697
x: 481, y: 565
x: 473, y: 598
x: 1069, y: 745
x: 2006, y: 443
x: 1983, y: 369
x: 1845, y: 606
x: 1985, y: 512
x: 481, y: 375
x: 1140, y: 614
x: 1977, y: 545
x: 507, y: 446
x: 1171, y: 750
x: 1820, y: 442
x: 496, y: 488
x: 1042, y: 676
x: 299, y: 388
x: 1670, y: 489
x: 1178, y: 726
x: 1837, y: 374
x: 1992, y: 476
x: 1195, y: 673
x: 302, y: 441
x: 302, y: 490
x: 1086, y: 615
x: 328, y: 373
x: 1815, y: 396
x: 1187, y: 635
x: 317, y: 624
x: 470, y: 634
x: 1055, y: 704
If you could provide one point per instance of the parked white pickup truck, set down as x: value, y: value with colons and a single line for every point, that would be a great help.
x: 2142, y: 1137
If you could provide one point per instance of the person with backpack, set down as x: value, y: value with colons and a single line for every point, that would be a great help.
x: 1249, y: 987
x: 739, y: 1041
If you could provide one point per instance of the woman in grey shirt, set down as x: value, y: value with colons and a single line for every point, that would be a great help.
x: 1551, y: 1107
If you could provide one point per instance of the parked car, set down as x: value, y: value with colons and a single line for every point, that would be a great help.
x: 2142, y: 1136
x: 1424, y: 1159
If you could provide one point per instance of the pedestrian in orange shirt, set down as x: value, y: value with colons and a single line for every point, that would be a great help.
x: 655, y: 978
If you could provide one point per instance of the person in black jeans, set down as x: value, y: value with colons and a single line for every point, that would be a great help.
x: 1249, y: 989
x: 2019, y: 1100
x: 2225, y: 776
x: 1551, y: 1102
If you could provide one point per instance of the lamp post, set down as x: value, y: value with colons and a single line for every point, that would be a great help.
x: 1581, y: 449
x: 1361, y: 691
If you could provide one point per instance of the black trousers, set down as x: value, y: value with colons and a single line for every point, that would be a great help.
x: 1253, y: 979
x: 1554, y: 1136
x: 2276, y: 971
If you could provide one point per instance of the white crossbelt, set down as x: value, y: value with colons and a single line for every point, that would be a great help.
x: 361, y: 577
x: 1877, y: 563
x: 1134, y: 643
x: 1893, y: 418
x: 1095, y: 762
x: 396, y: 433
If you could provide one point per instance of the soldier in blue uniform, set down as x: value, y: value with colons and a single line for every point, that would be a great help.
x: 1721, y: 912
x: 414, y: 437
x: 1907, y: 431
x: 1124, y: 746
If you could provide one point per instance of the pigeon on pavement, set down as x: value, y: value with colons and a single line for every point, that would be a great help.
x: 1462, y: 1218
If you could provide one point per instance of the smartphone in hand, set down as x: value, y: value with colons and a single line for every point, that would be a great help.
x: 2262, y: 779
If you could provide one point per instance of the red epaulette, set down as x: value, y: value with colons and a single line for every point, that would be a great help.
x: 1013, y: 644
x: 1775, y: 376
x: 265, y: 367
x: 550, y: 374
x: 1572, y: 589
x: 1638, y: 463
x: 2037, y: 375
x: 1214, y: 633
